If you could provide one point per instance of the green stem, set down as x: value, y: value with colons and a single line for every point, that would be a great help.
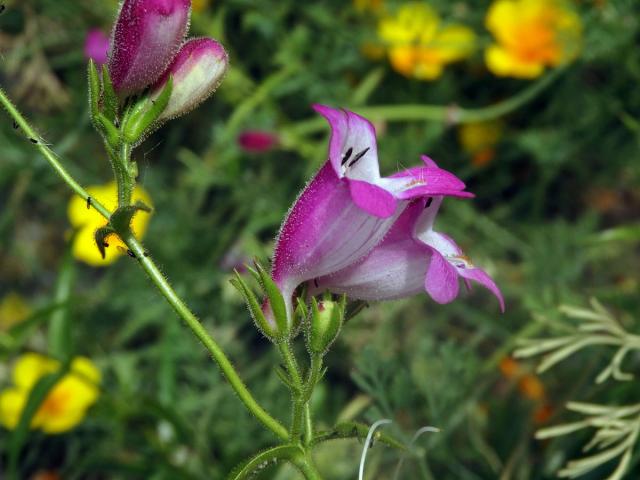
x: 125, y: 179
x: 307, y: 468
x: 157, y: 278
x: 444, y: 113
x: 48, y: 154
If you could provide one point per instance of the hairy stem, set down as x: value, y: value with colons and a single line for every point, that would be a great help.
x: 156, y: 277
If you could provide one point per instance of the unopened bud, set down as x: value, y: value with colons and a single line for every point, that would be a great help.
x: 324, y: 325
x: 197, y: 70
x: 145, y: 39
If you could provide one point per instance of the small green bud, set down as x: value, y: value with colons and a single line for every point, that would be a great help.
x: 324, y: 324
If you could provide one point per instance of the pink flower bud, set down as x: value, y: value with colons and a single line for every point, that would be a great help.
x: 145, y: 39
x: 96, y: 46
x: 197, y: 71
x: 256, y: 141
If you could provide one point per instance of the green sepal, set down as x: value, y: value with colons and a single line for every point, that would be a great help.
x: 255, y: 309
x: 108, y: 130
x: 146, y: 113
x: 100, y: 237
x: 276, y: 300
x: 120, y: 220
x: 94, y: 92
x: 109, y: 97
x: 324, y: 324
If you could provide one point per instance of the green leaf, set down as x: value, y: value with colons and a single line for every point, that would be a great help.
x: 60, y: 337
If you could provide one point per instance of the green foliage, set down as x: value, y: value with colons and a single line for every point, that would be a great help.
x: 554, y: 221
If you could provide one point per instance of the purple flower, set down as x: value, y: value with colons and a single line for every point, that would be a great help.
x: 145, y: 39
x: 411, y: 258
x: 96, y: 46
x: 197, y: 70
x: 347, y: 208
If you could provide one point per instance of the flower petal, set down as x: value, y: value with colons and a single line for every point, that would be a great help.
x: 372, y: 199
x: 352, y: 149
x: 441, y: 281
x: 480, y: 276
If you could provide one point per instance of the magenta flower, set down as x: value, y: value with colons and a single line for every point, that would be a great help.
x: 145, y: 39
x: 197, y: 70
x: 411, y: 258
x: 257, y: 141
x: 96, y: 46
x: 347, y: 208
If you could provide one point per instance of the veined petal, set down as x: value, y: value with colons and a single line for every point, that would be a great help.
x: 396, y: 268
x: 353, y: 151
x: 324, y: 232
x: 372, y: 199
x: 441, y: 281
x: 480, y: 276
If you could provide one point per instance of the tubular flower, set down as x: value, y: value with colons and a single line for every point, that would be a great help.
x: 145, y: 39
x: 197, y: 70
x: 531, y: 35
x: 87, y: 221
x: 411, y: 258
x: 419, y: 46
x: 67, y: 402
x: 347, y: 208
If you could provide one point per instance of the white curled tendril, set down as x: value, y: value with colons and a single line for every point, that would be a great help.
x: 417, y: 435
x: 372, y: 430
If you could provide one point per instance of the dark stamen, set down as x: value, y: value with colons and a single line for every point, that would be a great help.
x: 429, y: 201
x: 315, y: 282
x: 358, y: 157
x: 88, y: 203
x: 346, y: 156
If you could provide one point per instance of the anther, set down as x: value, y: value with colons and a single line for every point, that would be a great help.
x: 315, y: 282
x: 429, y: 202
x: 346, y: 156
x: 358, y: 157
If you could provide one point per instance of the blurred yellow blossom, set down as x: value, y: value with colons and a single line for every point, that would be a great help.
x: 419, y: 45
x: 479, y: 140
x: 200, y: 5
x: 87, y: 221
x: 66, y: 403
x: 531, y: 35
x: 13, y: 310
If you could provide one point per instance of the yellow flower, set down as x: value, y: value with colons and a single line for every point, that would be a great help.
x: 531, y: 35
x: 67, y: 402
x: 87, y: 221
x: 199, y: 5
x: 13, y: 310
x: 419, y: 46
x: 479, y: 139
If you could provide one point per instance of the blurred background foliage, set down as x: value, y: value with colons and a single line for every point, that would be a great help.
x: 555, y: 222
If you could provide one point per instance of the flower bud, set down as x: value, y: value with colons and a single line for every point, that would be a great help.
x: 96, y: 46
x: 145, y: 39
x: 325, y: 324
x: 197, y: 71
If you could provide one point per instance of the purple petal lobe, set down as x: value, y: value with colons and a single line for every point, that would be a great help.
x: 372, y: 199
x: 145, y: 39
x: 441, y: 281
x: 480, y: 276
x: 353, y: 152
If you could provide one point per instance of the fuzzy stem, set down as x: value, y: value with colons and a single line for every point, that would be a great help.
x: 157, y: 278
